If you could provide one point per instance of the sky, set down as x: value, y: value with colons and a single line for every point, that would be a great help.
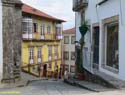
x: 61, y: 9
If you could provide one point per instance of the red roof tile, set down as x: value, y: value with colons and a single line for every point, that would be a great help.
x: 70, y: 31
x: 30, y: 10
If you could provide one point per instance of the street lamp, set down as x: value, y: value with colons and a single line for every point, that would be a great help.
x: 77, y: 45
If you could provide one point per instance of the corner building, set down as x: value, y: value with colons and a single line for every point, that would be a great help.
x: 41, y: 47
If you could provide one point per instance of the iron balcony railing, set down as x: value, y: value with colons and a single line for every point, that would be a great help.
x: 36, y: 60
x: 39, y: 36
x: 54, y: 56
x: 79, y: 4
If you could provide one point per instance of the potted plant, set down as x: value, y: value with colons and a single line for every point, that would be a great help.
x: 84, y: 28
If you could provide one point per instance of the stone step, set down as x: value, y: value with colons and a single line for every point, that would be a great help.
x: 93, y: 86
x: 110, y: 79
x: 88, y: 85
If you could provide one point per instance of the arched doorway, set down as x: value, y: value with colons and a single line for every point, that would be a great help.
x: 1, y: 45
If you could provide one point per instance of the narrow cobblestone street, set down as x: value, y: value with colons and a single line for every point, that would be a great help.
x: 50, y: 87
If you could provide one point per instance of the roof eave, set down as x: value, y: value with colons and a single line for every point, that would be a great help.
x: 45, y: 17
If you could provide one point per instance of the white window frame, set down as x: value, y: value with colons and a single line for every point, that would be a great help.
x: 29, y: 27
x: 105, y: 37
x: 39, y: 52
x: 49, y: 29
x: 31, y: 53
x: 42, y: 29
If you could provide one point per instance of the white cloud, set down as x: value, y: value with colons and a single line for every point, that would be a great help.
x: 58, y: 8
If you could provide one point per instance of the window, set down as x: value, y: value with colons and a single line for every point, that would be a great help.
x: 35, y: 27
x: 110, y: 43
x: 72, y: 69
x: 66, y: 55
x: 39, y: 52
x: 73, y: 38
x: 42, y: 29
x: 112, y: 54
x: 56, y: 50
x: 27, y: 25
x: 58, y: 31
x: 48, y: 29
x: 50, y: 50
x: 72, y: 55
x: 31, y: 52
x: 66, y: 39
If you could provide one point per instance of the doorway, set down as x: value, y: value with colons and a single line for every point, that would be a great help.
x: 95, y: 42
x: 45, y: 70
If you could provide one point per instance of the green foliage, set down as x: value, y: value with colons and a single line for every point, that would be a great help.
x: 84, y: 28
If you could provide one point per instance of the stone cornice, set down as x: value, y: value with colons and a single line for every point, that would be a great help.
x: 16, y: 3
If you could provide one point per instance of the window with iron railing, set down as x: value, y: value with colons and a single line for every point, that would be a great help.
x: 31, y: 53
x: 42, y: 29
x: 58, y: 31
x: 79, y: 4
x: 48, y: 29
x: 27, y: 26
x: 39, y: 52
x: 56, y: 51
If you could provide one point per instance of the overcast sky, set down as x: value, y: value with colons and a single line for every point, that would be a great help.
x: 58, y: 8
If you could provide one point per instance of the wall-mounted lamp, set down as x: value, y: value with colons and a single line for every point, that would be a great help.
x: 77, y: 45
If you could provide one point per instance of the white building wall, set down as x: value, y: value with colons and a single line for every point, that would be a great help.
x: 106, y: 10
x: 1, y: 46
x: 95, y: 14
x: 109, y: 9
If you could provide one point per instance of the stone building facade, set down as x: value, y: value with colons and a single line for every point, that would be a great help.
x: 12, y: 18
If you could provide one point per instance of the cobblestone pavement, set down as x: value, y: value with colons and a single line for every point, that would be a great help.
x: 49, y: 87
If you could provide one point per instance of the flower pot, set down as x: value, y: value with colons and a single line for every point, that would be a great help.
x: 83, y: 29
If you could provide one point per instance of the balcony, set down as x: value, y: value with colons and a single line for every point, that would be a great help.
x: 35, y: 60
x: 39, y: 36
x: 53, y: 57
x: 27, y: 36
x: 79, y: 4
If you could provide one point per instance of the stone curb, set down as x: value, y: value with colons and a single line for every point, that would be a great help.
x: 73, y: 83
x: 30, y: 81
x: 10, y: 87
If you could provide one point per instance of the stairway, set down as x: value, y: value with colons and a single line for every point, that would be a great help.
x: 16, y: 72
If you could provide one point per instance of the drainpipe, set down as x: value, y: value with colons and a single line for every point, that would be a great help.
x: 1, y: 42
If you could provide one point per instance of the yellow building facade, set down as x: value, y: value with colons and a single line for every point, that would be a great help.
x: 41, y: 46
